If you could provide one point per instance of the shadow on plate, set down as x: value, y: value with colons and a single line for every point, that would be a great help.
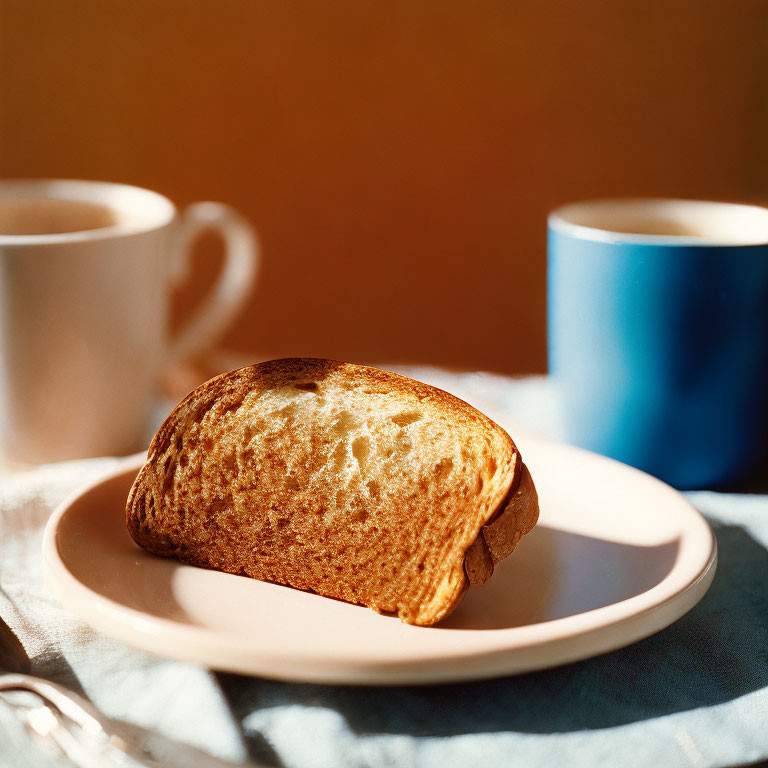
x: 558, y: 574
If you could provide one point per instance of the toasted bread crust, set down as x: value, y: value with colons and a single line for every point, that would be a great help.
x: 503, y: 522
x: 499, y: 537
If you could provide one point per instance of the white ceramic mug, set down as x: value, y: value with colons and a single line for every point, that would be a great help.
x: 86, y: 272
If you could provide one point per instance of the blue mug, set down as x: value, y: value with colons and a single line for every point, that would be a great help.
x: 658, y: 335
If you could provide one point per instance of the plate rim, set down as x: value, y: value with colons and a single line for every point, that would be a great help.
x: 600, y: 630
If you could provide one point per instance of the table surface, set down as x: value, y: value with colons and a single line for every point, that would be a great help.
x: 694, y: 694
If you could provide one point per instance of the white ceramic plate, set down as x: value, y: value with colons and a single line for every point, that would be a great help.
x: 616, y: 556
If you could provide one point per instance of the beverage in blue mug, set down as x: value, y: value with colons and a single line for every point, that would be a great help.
x: 658, y: 334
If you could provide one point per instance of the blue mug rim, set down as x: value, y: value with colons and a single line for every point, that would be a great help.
x: 564, y: 221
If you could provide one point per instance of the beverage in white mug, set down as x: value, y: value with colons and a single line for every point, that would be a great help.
x: 49, y: 216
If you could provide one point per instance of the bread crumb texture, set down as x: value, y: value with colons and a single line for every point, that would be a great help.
x: 345, y: 480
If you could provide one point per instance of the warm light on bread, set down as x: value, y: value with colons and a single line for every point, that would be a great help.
x: 341, y: 479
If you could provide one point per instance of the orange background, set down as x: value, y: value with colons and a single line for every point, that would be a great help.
x: 398, y: 158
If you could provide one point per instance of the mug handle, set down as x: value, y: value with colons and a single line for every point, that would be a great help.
x: 230, y: 292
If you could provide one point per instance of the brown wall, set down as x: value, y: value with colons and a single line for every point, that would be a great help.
x: 399, y: 157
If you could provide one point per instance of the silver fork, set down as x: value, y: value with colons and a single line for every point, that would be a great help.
x: 72, y: 727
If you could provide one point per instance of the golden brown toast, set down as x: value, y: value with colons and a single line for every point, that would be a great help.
x: 341, y: 479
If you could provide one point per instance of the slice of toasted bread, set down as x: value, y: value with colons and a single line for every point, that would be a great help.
x: 345, y: 480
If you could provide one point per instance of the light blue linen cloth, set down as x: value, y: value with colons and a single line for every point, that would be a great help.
x: 694, y: 694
